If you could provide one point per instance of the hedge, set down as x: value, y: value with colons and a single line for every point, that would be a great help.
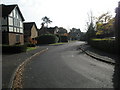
x: 104, y: 45
x: 63, y: 38
x: 30, y: 45
x: 14, y: 48
x: 47, y: 39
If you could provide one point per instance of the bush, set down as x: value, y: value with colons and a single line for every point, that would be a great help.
x: 31, y: 45
x: 63, y: 39
x: 14, y: 48
x: 104, y: 45
x: 58, y: 38
x: 47, y: 39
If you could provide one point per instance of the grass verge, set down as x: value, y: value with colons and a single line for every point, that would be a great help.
x: 57, y: 43
x: 30, y: 48
x: 98, y: 39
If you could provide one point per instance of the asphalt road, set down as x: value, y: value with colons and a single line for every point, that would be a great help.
x: 65, y: 66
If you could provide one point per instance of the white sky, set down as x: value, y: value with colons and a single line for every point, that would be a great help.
x: 63, y: 13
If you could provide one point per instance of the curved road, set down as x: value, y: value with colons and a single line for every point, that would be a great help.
x: 65, y: 66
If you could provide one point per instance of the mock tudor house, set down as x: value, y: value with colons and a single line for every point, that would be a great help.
x: 12, y: 25
x: 30, y: 32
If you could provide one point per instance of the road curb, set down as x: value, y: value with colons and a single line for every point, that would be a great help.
x: 16, y: 81
x: 100, y: 59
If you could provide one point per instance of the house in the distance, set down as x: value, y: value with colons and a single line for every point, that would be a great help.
x: 52, y: 30
x: 47, y: 30
x: 75, y: 34
x: 61, y: 31
x: 30, y: 32
x: 12, y: 25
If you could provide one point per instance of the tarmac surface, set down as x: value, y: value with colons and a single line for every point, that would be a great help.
x: 66, y: 66
x: 11, y: 62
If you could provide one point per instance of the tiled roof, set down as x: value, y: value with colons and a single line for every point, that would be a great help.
x: 28, y: 25
x: 51, y: 29
x: 43, y: 31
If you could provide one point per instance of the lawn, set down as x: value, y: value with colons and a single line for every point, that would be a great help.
x: 99, y: 39
x: 57, y: 44
x: 30, y: 48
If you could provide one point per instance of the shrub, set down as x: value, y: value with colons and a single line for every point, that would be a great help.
x: 14, y: 48
x: 63, y: 39
x: 31, y: 45
x: 104, y: 45
x: 47, y: 39
x: 58, y: 38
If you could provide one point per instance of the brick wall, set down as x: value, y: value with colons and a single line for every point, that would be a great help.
x: 22, y: 39
x: 12, y: 39
x: 34, y: 32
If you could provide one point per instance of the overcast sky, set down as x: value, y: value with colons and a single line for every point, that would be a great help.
x: 63, y: 13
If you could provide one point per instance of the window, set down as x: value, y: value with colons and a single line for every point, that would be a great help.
x: 18, y: 23
x: 15, y: 22
x: 10, y: 29
x: 17, y: 38
x: 18, y: 30
x: 15, y: 30
x: 10, y: 21
x: 21, y: 24
x: 21, y: 30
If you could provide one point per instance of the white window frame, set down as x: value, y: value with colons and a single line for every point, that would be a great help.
x: 10, y: 20
x: 15, y: 30
x: 11, y: 29
x: 21, y: 30
x: 21, y: 24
